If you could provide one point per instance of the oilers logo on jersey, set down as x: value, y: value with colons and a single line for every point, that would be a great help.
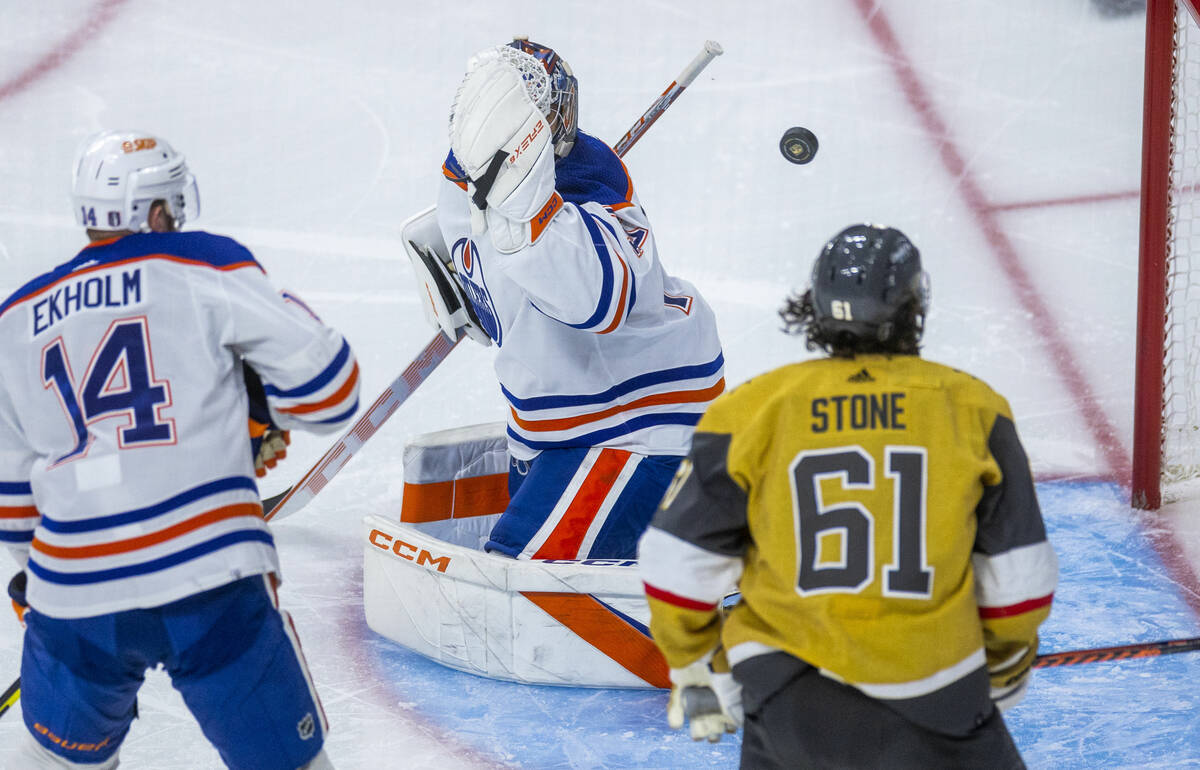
x: 470, y: 274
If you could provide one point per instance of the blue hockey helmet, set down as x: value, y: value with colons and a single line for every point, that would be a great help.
x: 563, y: 111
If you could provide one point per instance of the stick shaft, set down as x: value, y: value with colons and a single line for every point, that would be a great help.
x: 352, y: 440
x: 10, y: 696
x: 711, y: 50
x: 1120, y: 652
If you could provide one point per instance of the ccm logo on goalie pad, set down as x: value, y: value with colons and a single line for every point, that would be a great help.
x: 385, y: 542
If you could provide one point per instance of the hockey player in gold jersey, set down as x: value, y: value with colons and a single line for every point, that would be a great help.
x: 878, y: 515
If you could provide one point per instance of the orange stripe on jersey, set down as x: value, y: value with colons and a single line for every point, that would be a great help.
x: 539, y: 223
x: 617, y: 316
x: 458, y: 499
x: 607, y: 631
x: 567, y: 537
x: 18, y: 512
x: 336, y: 398
x: 628, y: 185
x: 74, y: 275
x: 658, y: 399
x: 453, y: 177
x: 154, y: 538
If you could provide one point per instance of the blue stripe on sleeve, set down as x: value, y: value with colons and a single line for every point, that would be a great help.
x: 620, y: 389
x: 606, y: 287
x: 154, y: 565
x: 316, y: 383
x: 632, y: 278
x: 16, y: 488
x: 16, y: 537
x: 149, y: 512
x: 346, y: 415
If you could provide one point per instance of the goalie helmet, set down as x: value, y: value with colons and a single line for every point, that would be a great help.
x: 119, y: 174
x: 561, y: 105
x: 869, y: 294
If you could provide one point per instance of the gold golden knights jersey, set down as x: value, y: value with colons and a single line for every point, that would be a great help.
x: 879, y: 518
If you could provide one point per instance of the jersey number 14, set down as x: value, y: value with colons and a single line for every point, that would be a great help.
x: 119, y: 381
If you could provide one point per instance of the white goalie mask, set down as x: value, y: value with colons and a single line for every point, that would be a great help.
x: 119, y: 174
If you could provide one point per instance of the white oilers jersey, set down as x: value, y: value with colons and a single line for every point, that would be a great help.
x: 598, y: 345
x: 125, y: 465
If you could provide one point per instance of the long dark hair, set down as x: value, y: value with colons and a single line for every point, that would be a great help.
x: 902, y: 336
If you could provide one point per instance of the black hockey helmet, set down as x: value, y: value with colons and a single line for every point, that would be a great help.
x: 563, y: 111
x: 868, y: 294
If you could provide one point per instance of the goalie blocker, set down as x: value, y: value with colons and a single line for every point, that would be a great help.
x: 443, y: 301
x: 428, y: 585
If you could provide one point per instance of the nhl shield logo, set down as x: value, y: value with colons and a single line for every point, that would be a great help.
x: 307, y: 727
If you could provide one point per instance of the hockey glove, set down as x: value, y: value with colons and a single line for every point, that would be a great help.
x: 268, y: 442
x: 710, y: 703
x: 500, y: 136
x: 269, y: 446
x: 16, y: 592
x: 1011, y: 690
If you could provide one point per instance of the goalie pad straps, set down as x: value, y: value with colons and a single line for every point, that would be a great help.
x: 483, y: 185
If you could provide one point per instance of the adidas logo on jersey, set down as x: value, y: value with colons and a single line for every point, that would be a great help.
x: 861, y: 376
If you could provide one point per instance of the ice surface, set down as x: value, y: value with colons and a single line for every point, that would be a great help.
x: 315, y: 129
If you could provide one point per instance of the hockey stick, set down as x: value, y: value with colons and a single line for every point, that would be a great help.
x: 297, y: 496
x: 1120, y: 652
x: 711, y: 50
x: 10, y: 696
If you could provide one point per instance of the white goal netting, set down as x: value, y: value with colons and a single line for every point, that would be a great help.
x: 1181, y: 362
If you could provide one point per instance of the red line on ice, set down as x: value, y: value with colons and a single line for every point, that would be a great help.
x: 1061, y: 355
x: 985, y: 214
x: 102, y: 13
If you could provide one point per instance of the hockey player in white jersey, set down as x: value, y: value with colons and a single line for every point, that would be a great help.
x: 606, y: 361
x: 127, y: 477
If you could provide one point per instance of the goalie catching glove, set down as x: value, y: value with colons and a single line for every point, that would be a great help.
x: 710, y: 701
x: 500, y: 135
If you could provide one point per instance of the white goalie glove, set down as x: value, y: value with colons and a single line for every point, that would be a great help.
x: 500, y: 135
x: 710, y: 702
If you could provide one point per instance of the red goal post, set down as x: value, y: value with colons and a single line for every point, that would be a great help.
x: 1166, y: 441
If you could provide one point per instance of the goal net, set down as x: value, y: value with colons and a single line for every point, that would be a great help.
x: 1166, y: 445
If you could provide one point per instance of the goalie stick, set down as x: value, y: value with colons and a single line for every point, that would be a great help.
x: 298, y: 495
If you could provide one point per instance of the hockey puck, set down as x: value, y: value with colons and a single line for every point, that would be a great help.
x: 798, y: 145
